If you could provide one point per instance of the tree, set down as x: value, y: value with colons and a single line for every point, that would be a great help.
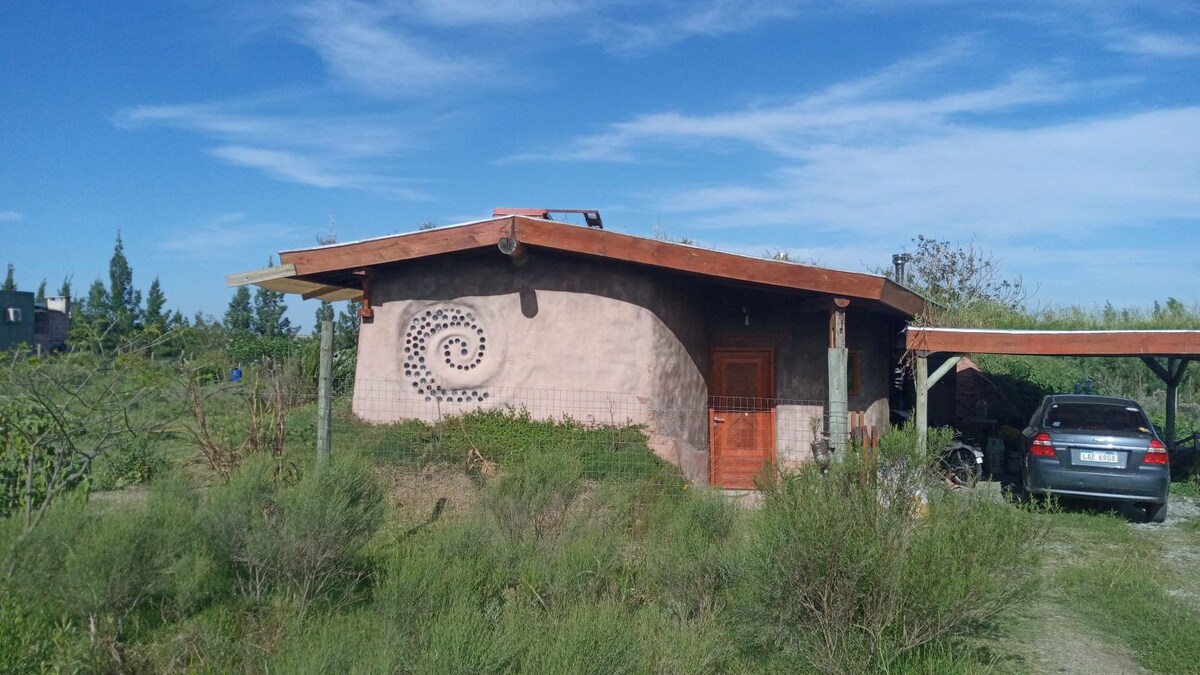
x: 345, y: 331
x: 91, y: 324
x: 64, y: 291
x: 155, y: 300
x: 40, y: 298
x: 125, y: 302
x: 239, y: 316
x: 269, y: 319
x: 960, y: 278
x: 9, y: 283
x: 324, y: 313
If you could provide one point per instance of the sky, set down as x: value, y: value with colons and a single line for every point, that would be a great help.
x: 1063, y: 138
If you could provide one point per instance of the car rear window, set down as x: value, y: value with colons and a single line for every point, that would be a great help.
x: 1097, y: 416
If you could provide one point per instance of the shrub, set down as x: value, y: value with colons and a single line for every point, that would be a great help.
x: 689, y: 553
x: 532, y: 498
x: 134, y: 462
x: 302, y: 540
x: 849, y: 570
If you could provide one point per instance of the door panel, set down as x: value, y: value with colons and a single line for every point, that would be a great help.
x: 741, y: 416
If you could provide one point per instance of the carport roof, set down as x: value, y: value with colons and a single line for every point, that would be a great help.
x: 1167, y: 343
x: 337, y: 271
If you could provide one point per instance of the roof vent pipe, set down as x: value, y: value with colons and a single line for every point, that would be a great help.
x: 514, y: 249
x: 899, y: 260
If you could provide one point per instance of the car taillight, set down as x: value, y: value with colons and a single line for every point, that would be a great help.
x: 1156, y: 453
x: 1042, y: 447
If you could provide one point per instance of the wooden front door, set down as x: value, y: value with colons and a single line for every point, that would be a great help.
x: 741, y: 415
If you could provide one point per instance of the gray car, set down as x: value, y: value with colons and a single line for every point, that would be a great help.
x: 1096, y: 447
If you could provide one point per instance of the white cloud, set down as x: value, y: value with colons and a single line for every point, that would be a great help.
x: 10, y: 216
x: 1157, y: 45
x: 355, y: 152
x: 1120, y: 171
x: 224, y: 235
x: 362, y: 45
x: 674, y: 22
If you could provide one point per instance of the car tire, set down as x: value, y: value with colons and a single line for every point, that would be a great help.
x: 1156, y: 513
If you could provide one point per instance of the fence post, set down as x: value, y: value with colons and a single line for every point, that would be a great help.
x: 325, y: 394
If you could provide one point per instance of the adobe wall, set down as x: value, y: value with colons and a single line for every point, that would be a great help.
x: 600, y: 342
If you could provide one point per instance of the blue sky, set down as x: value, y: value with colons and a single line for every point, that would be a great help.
x: 1064, y: 137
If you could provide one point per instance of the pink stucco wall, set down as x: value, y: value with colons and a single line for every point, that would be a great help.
x: 599, y: 341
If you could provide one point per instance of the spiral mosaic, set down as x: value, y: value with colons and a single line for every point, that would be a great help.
x: 445, y: 347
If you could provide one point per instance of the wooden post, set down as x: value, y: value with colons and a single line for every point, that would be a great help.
x: 839, y: 406
x: 1172, y: 376
x: 922, y: 408
x: 325, y: 395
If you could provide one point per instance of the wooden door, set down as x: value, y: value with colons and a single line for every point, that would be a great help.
x: 741, y: 416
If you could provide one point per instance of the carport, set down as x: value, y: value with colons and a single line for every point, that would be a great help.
x: 1166, y: 352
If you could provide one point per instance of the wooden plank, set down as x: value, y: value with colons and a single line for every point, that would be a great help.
x: 1056, y: 343
x: 943, y: 369
x: 401, y: 247
x: 264, y: 274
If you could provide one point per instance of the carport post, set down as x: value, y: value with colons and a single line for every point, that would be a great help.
x: 1172, y: 375
x: 325, y: 394
x: 922, y: 407
x: 925, y: 381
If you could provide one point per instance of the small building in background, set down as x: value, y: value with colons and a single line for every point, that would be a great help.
x: 41, y: 327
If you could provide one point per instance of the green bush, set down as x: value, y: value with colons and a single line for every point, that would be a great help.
x: 302, y: 540
x: 533, y: 497
x: 690, y: 553
x: 133, y: 462
x: 849, y: 570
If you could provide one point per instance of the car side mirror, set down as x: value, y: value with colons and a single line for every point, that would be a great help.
x: 1027, y: 432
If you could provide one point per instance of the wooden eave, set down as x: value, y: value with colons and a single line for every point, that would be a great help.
x: 320, y: 263
x: 1178, y: 343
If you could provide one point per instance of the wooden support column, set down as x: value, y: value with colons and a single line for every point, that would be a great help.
x: 839, y: 405
x: 365, y: 311
x: 924, y: 382
x: 1172, y: 376
x: 325, y: 395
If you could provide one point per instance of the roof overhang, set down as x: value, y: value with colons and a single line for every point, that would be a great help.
x: 1168, y: 343
x: 334, y: 266
x: 282, y: 279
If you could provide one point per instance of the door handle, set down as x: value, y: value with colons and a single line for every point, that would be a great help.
x: 718, y: 420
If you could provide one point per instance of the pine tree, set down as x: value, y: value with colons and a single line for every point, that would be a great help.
x: 269, y: 319
x: 155, y: 300
x: 125, y: 302
x: 40, y: 298
x: 345, y: 331
x: 239, y: 316
x: 178, y: 320
x: 91, y: 325
x: 9, y: 283
x: 324, y: 313
x: 64, y: 291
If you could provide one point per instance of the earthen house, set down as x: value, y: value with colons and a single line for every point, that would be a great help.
x: 728, y: 361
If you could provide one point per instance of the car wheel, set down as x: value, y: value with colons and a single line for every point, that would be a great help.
x: 1156, y: 513
x: 962, y: 469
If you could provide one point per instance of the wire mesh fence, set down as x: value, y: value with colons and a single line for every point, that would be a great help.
x: 615, y: 436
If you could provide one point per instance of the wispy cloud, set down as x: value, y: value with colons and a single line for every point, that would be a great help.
x: 1162, y: 45
x: 365, y: 46
x: 10, y: 216
x: 355, y: 152
x: 223, y: 235
x: 1120, y: 171
x: 679, y: 21
x: 855, y: 111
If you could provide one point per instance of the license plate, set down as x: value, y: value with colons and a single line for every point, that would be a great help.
x: 1105, y: 457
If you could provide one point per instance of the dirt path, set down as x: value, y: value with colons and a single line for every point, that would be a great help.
x: 1056, y: 642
